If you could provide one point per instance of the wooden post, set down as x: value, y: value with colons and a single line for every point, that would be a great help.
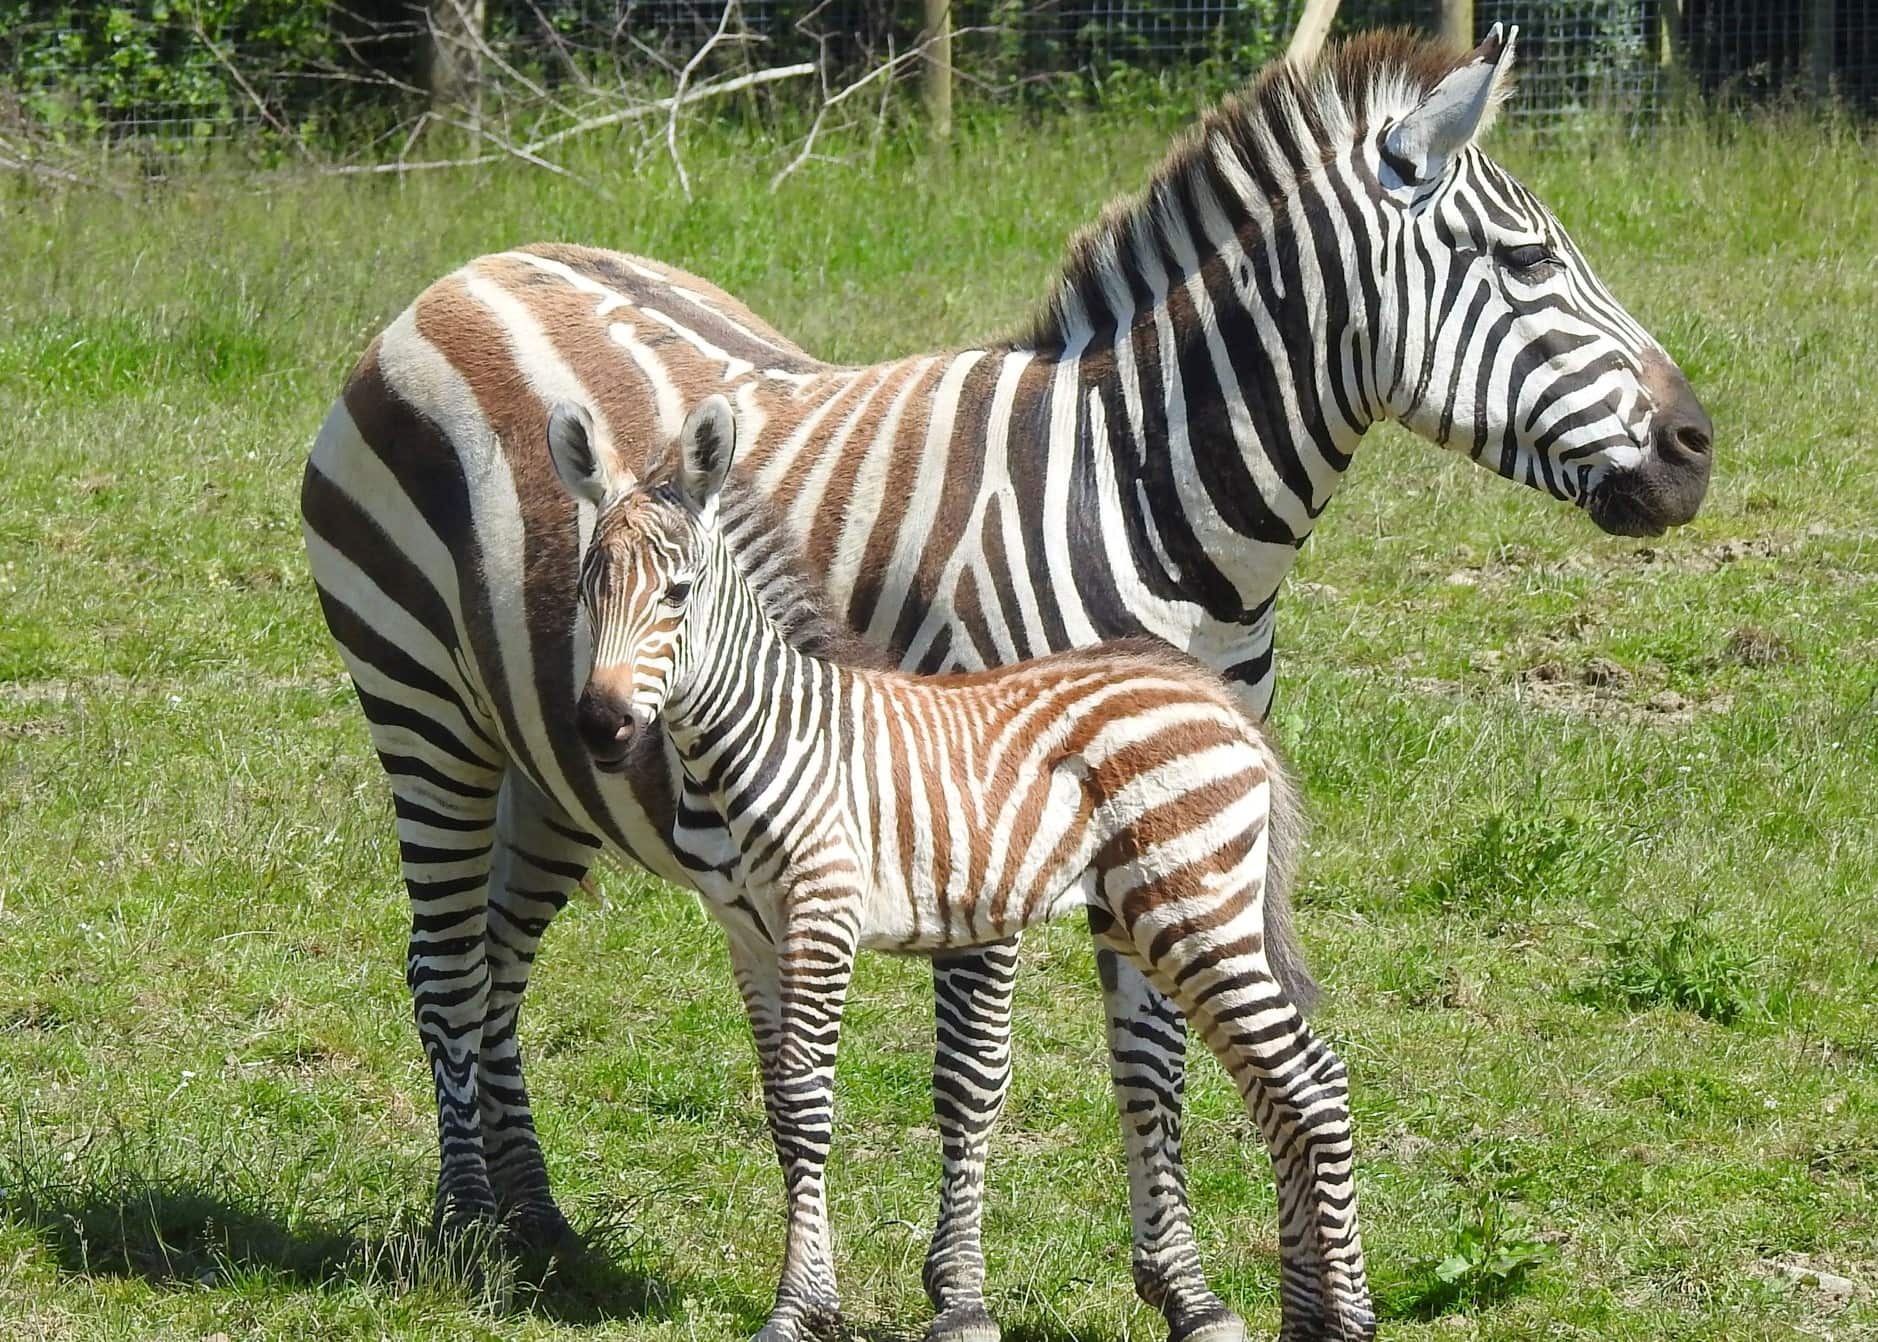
x: 936, y: 77
x: 1668, y: 33
x: 1823, y: 44
x: 1455, y: 20
x: 453, y: 61
x: 1313, y: 27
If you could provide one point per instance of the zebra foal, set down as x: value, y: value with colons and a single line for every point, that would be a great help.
x: 873, y: 807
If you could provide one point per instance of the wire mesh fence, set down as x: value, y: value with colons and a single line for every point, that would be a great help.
x: 351, y: 70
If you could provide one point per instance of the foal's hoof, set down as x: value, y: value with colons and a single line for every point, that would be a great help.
x: 819, y: 1321
x: 1211, y: 1325
x: 795, y: 1330
x: 964, y: 1323
x: 1353, y: 1326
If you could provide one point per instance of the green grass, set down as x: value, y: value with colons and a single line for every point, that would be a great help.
x: 1533, y: 753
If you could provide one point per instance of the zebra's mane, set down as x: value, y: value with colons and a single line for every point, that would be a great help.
x: 1280, y: 126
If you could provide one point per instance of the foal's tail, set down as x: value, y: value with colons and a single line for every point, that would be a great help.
x: 1285, y: 826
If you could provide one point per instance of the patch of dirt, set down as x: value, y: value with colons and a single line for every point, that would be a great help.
x: 1601, y: 688
x: 1712, y: 558
x: 1601, y: 672
x: 1826, y: 1290
x: 1405, y: 1148
x: 1750, y: 645
x: 32, y: 731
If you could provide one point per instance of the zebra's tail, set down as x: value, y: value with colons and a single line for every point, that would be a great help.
x: 1286, y: 827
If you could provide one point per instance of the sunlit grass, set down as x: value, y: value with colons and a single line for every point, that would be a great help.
x: 1532, y: 752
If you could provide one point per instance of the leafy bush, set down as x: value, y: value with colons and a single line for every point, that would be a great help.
x: 88, y: 67
x: 1513, y: 861
x: 1684, y: 965
x: 1490, y: 1252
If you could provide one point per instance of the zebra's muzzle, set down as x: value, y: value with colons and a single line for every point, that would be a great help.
x: 606, y: 729
x: 1667, y: 489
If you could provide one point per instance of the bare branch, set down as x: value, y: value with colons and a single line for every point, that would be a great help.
x: 641, y: 111
x: 531, y: 151
x: 684, y: 81
x: 1313, y: 27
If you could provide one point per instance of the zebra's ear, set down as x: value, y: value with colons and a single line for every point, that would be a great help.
x: 583, y: 470
x: 1455, y: 112
x: 706, y: 446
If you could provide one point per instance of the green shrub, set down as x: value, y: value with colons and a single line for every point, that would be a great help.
x: 1684, y: 965
x: 1514, y: 861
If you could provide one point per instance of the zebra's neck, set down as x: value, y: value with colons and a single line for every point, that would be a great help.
x: 1226, y: 355
x: 1153, y: 455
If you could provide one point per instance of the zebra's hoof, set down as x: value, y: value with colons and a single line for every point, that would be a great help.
x: 1212, y: 1325
x: 964, y: 1323
x: 821, y: 1320
x: 539, y: 1228
x: 465, y: 1221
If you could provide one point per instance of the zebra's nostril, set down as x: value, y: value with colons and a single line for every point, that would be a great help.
x: 1686, y: 440
x: 601, y: 728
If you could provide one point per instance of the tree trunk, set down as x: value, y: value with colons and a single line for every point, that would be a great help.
x: 453, y: 55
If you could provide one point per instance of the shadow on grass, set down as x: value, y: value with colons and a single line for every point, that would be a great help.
x: 175, y: 1233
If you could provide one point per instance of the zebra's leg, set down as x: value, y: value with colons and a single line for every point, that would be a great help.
x: 753, y: 965
x: 540, y: 857
x: 816, y: 963
x: 446, y: 824
x: 970, y: 1077
x: 1147, y: 1040
x: 1295, y: 1089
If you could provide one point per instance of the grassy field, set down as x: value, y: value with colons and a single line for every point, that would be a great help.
x: 1592, y: 880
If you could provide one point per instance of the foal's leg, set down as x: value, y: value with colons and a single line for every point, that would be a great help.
x: 815, y: 965
x: 540, y: 857
x: 971, y: 1075
x: 1293, y: 1087
x: 1144, y: 1031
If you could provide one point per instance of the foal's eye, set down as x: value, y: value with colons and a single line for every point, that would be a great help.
x: 1526, y: 259
x: 675, y: 594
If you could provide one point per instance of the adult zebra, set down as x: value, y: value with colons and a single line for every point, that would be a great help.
x: 1325, y: 251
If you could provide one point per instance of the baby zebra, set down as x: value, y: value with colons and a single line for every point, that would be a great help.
x: 871, y: 807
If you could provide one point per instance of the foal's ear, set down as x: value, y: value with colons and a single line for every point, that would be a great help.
x: 584, y: 471
x: 706, y: 446
x: 1455, y: 112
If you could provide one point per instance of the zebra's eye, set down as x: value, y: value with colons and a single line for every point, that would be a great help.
x: 675, y: 594
x: 1527, y: 260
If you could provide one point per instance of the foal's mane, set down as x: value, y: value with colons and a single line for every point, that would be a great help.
x: 770, y: 556
x: 1283, y: 123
